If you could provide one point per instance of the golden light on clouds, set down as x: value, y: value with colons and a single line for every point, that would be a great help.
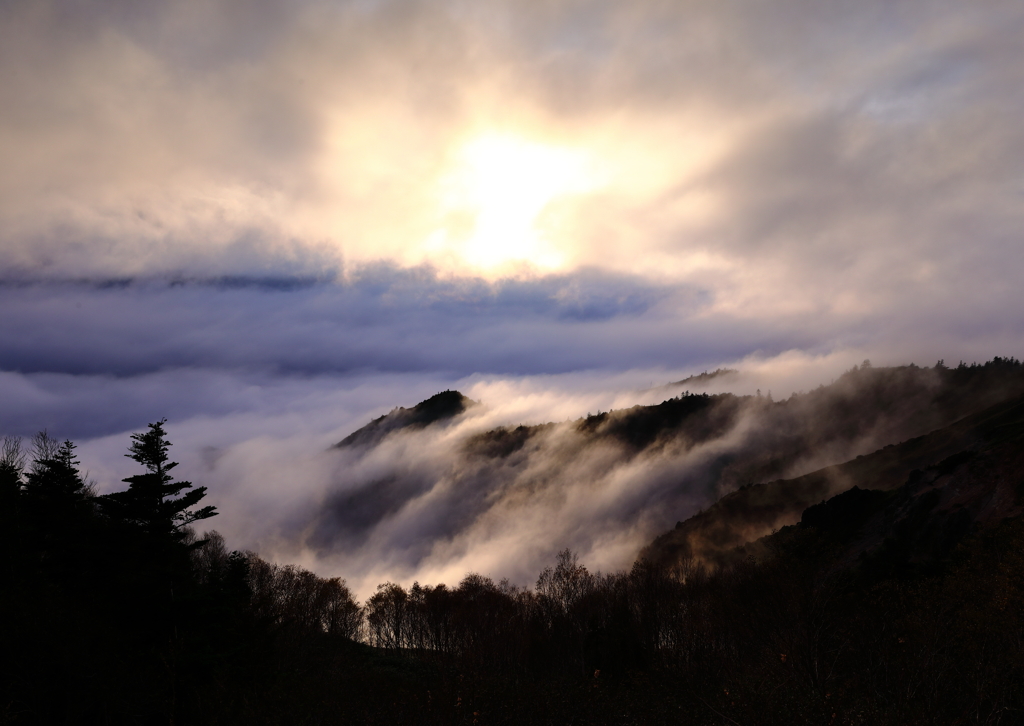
x: 504, y: 199
x: 678, y: 142
x: 493, y: 201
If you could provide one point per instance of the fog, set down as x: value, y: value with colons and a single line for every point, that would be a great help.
x: 429, y: 504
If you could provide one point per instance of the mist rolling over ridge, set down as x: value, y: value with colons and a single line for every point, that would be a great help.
x: 432, y: 501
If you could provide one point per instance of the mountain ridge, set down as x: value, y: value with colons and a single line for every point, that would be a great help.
x: 636, y: 470
x: 735, y: 522
x: 439, y: 407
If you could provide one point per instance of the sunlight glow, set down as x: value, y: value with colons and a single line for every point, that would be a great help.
x: 495, y: 199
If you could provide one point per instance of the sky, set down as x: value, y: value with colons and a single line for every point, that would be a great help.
x: 270, y: 221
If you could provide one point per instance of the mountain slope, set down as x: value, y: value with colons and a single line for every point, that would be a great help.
x: 743, y: 516
x: 439, y: 407
x: 915, y: 527
x: 411, y: 497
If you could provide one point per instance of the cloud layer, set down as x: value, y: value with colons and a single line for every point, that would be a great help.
x: 269, y: 221
x: 856, y: 152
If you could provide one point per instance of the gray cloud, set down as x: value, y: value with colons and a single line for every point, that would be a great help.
x: 229, y: 214
x: 186, y: 135
x: 384, y: 319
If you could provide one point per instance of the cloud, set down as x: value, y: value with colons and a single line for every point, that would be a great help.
x: 253, y: 218
x: 384, y: 319
x: 801, y: 176
x: 803, y: 146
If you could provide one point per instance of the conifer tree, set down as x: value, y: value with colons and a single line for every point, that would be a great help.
x: 152, y: 500
x: 54, y: 478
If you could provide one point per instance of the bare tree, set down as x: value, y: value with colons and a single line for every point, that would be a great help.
x: 387, y: 616
x: 11, y: 454
x: 44, y: 448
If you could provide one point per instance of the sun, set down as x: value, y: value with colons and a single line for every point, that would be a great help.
x: 497, y: 191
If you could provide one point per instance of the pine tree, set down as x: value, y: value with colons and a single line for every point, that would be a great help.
x: 152, y: 500
x: 55, y: 505
x: 54, y: 479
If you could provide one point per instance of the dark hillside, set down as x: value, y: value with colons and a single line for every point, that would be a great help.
x: 914, y: 528
x: 755, y: 510
x: 864, y: 409
x: 688, y: 418
x: 439, y: 407
x: 705, y: 377
x: 500, y: 443
x: 693, y: 419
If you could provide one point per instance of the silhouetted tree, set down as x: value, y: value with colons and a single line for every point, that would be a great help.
x: 387, y: 614
x: 152, y: 500
x: 54, y: 478
x: 12, y: 464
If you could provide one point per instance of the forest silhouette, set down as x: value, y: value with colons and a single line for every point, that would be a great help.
x: 898, y: 600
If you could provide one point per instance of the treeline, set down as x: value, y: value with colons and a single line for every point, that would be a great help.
x: 794, y: 639
x: 801, y: 637
x: 116, y: 612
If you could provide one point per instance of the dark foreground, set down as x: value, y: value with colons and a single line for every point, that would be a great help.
x: 896, y: 606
